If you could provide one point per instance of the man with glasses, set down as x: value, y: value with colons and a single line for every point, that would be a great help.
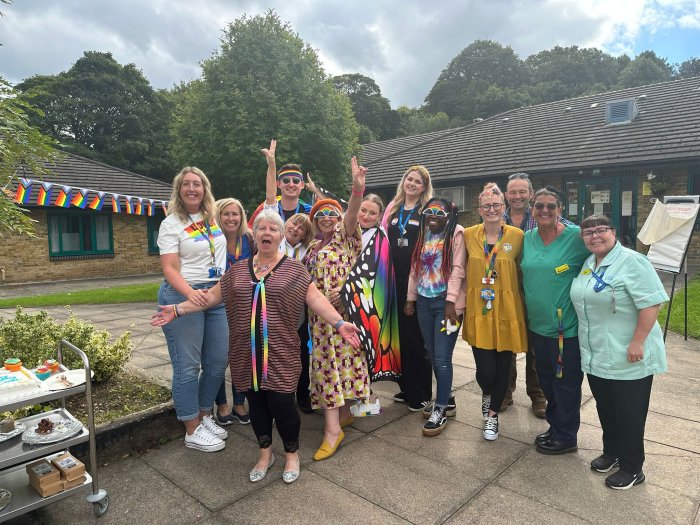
x: 519, y: 193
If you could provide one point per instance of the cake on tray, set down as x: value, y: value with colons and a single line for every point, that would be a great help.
x: 17, y: 385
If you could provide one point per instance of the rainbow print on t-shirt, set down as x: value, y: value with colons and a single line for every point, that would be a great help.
x: 198, y: 231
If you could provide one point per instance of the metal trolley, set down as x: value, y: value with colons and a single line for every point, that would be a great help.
x: 14, y: 454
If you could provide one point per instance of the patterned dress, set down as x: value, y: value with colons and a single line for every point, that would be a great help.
x: 338, y: 371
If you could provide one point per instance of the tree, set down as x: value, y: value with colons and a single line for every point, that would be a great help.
x: 372, y: 111
x: 416, y: 121
x: 105, y: 111
x: 645, y: 69
x: 21, y: 146
x: 264, y: 82
x: 689, y: 68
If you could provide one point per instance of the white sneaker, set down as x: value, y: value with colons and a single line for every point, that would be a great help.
x: 203, y: 440
x: 214, y: 429
x: 366, y: 409
x: 491, y: 428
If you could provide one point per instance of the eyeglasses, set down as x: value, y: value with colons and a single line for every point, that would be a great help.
x: 293, y: 180
x: 521, y: 175
x: 496, y: 206
x: 436, y: 212
x: 326, y: 212
x: 551, y: 206
x: 598, y: 231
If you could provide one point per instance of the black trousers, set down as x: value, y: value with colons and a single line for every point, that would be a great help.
x: 416, y: 370
x: 564, y: 394
x: 266, y: 405
x: 303, y: 384
x: 492, y: 373
x: 532, y: 383
x: 622, y: 409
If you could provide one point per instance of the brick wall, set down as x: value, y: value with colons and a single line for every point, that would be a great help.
x: 26, y: 259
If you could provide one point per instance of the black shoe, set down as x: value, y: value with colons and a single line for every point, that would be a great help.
x: 450, y: 409
x: 543, y: 437
x: 604, y: 463
x: 554, y: 448
x: 622, y: 480
x: 417, y: 407
x: 400, y: 397
x: 435, y: 423
x: 305, y: 405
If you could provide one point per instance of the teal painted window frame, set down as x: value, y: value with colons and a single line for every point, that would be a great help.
x: 87, y: 225
x: 152, y: 227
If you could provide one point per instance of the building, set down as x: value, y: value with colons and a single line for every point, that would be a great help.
x: 612, y: 153
x: 92, y: 220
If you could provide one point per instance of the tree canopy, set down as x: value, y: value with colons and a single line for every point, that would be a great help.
x: 264, y: 82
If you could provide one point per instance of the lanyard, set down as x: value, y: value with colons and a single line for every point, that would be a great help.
x: 560, y: 358
x: 490, y: 256
x: 402, y: 224
x: 259, y: 291
x: 600, y: 284
x: 281, y: 211
x: 208, y: 236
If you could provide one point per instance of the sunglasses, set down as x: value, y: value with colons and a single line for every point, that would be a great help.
x: 496, y: 206
x: 551, y: 206
x: 293, y: 180
x: 326, y: 212
x: 436, y: 212
x: 598, y: 231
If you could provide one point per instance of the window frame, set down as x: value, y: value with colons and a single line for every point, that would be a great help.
x: 437, y: 192
x: 62, y: 216
x: 153, y: 226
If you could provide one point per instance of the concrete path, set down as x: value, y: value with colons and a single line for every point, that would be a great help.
x: 387, y: 472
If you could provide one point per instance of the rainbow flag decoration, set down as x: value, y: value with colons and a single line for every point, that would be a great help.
x: 129, y: 205
x: 116, y: 207
x: 97, y: 201
x: 44, y: 197
x: 79, y: 201
x: 24, y: 191
x: 62, y: 198
x: 138, y: 210
x: 151, y: 207
x: 164, y: 205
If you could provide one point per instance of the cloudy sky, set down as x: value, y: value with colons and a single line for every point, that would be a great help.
x: 402, y: 44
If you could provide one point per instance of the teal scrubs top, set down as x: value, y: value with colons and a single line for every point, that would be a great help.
x: 608, y: 318
x: 547, y: 275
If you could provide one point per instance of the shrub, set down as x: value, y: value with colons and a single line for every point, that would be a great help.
x: 33, y: 338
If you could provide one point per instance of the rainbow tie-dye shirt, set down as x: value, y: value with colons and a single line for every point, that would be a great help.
x: 431, y: 282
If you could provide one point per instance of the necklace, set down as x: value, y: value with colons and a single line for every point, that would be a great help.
x: 261, y: 268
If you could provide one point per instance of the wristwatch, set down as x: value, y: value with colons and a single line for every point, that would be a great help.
x: 338, y: 324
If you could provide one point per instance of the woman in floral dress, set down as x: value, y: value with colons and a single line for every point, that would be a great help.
x: 338, y: 371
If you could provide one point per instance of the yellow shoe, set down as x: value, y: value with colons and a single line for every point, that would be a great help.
x: 347, y: 422
x: 325, y: 450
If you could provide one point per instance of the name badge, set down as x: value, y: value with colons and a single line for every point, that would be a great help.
x: 587, y: 271
x: 402, y: 242
x: 561, y: 269
x: 414, y: 222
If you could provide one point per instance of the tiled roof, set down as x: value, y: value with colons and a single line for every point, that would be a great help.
x: 79, y: 172
x: 556, y: 136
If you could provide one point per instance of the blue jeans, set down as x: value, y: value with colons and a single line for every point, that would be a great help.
x: 439, y: 345
x: 238, y: 397
x: 198, y: 348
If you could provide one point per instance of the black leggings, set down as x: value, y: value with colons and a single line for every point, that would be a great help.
x: 492, y: 373
x: 263, y: 407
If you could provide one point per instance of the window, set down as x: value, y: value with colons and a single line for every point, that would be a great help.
x: 80, y: 233
x: 152, y: 227
x: 453, y: 194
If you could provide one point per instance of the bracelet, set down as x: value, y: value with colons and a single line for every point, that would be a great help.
x: 359, y: 193
x: 175, y: 311
x: 339, y: 323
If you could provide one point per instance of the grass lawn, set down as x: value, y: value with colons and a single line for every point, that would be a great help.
x: 134, y: 293
x: 676, y: 324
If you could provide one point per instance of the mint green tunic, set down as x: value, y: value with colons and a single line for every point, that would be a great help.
x: 608, y: 318
x: 547, y: 275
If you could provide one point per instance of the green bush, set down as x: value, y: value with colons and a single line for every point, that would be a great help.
x: 34, y: 338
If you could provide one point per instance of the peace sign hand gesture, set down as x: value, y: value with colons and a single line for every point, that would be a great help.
x: 358, y: 176
x: 270, y: 152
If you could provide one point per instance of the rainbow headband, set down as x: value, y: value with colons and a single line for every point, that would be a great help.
x: 290, y: 173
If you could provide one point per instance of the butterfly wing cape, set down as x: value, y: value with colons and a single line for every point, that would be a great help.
x: 369, y: 298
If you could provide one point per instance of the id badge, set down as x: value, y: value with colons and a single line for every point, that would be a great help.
x: 402, y: 242
x: 214, y: 272
x: 487, y: 280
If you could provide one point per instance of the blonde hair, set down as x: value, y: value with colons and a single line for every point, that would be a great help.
x: 302, y: 218
x: 491, y: 189
x: 222, y: 204
x: 177, y: 207
x: 400, y: 196
x: 376, y: 199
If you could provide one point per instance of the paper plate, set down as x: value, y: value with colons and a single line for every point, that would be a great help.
x: 19, y: 428
x: 5, y: 498
x: 67, y: 379
x: 63, y: 429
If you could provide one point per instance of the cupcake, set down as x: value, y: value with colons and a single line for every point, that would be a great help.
x: 13, y: 364
x: 52, y: 364
x: 43, y: 372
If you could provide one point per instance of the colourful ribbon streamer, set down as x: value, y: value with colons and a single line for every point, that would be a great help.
x: 560, y: 357
x: 259, y: 291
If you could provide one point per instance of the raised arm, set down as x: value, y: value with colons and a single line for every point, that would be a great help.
x: 168, y: 312
x: 358, y: 190
x: 271, y: 178
x: 319, y: 304
x: 313, y: 189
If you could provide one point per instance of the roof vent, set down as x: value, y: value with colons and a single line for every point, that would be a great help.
x: 505, y: 119
x: 567, y: 109
x: 594, y: 105
x: 621, y: 111
x: 478, y: 119
x: 642, y: 97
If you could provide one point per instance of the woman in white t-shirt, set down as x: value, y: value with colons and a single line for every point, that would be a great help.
x: 193, y: 257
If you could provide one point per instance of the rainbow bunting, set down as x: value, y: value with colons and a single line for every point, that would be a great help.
x: 138, y: 210
x: 24, y: 191
x: 129, y: 205
x: 116, y: 207
x: 97, y: 201
x: 151, y: 208
x: 62, y: 198
x: 164, y: 205
x: 44, y: 197
x: 79, y: 200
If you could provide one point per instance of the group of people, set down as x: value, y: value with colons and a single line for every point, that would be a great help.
x: 524, y: 280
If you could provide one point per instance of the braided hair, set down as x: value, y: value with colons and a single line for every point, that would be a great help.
x: 448, y: 232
